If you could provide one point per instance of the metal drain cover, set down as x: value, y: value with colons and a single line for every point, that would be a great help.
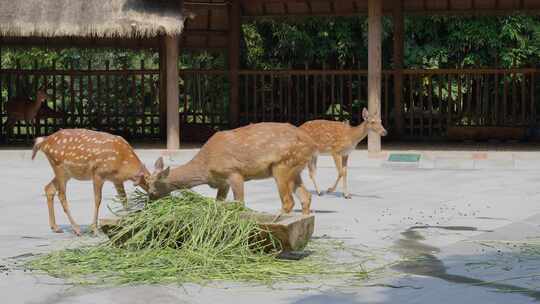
x: 404, y: 158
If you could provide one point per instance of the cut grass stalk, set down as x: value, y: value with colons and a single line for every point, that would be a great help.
x: 189, y: 238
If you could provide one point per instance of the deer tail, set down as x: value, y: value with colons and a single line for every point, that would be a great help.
x: 37, y: 145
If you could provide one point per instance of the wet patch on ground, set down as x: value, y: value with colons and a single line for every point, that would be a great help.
x: 492, y: 218
x: 451, y: 228
x: 420, y: 259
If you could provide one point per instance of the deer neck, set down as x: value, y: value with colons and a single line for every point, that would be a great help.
x: 359, y: 132
x: 189, y: 175
x: 36, y: 104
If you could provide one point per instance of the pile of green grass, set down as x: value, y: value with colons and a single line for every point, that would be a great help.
x: 187, y: 238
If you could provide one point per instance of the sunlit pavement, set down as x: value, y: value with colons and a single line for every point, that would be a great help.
x: 461, y: 211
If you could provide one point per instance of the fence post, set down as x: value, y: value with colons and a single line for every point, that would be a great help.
x: 374, y: 68
x: 398, y: 65
x: 234, y: 61
x: 169, y: 96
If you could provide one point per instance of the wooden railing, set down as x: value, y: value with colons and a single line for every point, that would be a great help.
x: 124, y: 102
x: 297, y: 96
x: 204, y: 103
x: 204, y: 96
x: 434, y: 100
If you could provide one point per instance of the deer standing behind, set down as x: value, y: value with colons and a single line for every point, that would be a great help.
x: 339, y: 139
x: 23, y: 108
x: 230, y: 158
x: 87, y: 155
x: 46, y: 112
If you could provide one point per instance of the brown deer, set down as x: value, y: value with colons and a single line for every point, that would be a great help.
x: 23, y: 108
x: 87, y: 155
x: 230, y: 158
x: 339, y: 139
x: 46, y: 112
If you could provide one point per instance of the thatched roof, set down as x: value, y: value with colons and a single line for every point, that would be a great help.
x: 90, y: 18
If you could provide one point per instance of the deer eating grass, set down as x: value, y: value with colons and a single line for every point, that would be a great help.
x: 87, y: 155
x: 339, y: 139
x: 230, y: 158
x: 23, y: 108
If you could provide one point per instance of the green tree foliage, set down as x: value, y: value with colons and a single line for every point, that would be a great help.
x: 430, y: 42
x: 77, y: 58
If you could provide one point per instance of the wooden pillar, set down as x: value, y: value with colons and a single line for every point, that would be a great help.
x: 374, y: 68
x: 169, y: 99
x: 234, y: 61
x: 399, y: 26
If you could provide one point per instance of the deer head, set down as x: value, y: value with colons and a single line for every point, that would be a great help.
x: 157, y: 186
x: 41, y: 95
x: 373, y: 123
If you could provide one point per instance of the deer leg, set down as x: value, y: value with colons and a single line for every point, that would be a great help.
x: 60, y: 185
x: 36, y: 129
x: 28, y: 129
x: 339, y: 166
x: 121, y: 191
x: 236, y: 181
x: 312, y: 166
x: 98, y: 186
x: 9, y: 126
x: 222, y: 193
x: 282, y: 176
x: 50, y: 191
x: 344, y: 161
x: 303, y: 195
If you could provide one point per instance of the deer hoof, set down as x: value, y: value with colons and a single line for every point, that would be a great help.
x: 77, y: 231
x: 94, y: 230
x: 57, y: 229
x: 347, y: 196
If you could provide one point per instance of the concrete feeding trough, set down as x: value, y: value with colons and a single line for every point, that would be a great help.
x: 293, y: 231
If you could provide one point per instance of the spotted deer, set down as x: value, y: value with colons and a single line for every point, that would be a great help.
x: 23, y: 108
x: 230, y: 158
x: 339, y: 139
x: 87, y: 155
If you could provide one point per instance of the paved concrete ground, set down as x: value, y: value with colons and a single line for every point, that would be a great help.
x: 471, y: 197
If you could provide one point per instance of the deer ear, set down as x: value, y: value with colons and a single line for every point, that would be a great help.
x: 158, y: 165
x: 365, y: 114
x: 164, y: 174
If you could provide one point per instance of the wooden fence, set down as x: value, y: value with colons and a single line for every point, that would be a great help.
x: 204, y: 97
x: 124, y: 102
x: 297, y: 96
x: 434, y: 100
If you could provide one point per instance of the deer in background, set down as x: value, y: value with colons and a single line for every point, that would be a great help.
x: 87, y: 155
x: 339, y: 140
x: 230, y: 158
x: 23, y: 108
x: 47, y: 112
